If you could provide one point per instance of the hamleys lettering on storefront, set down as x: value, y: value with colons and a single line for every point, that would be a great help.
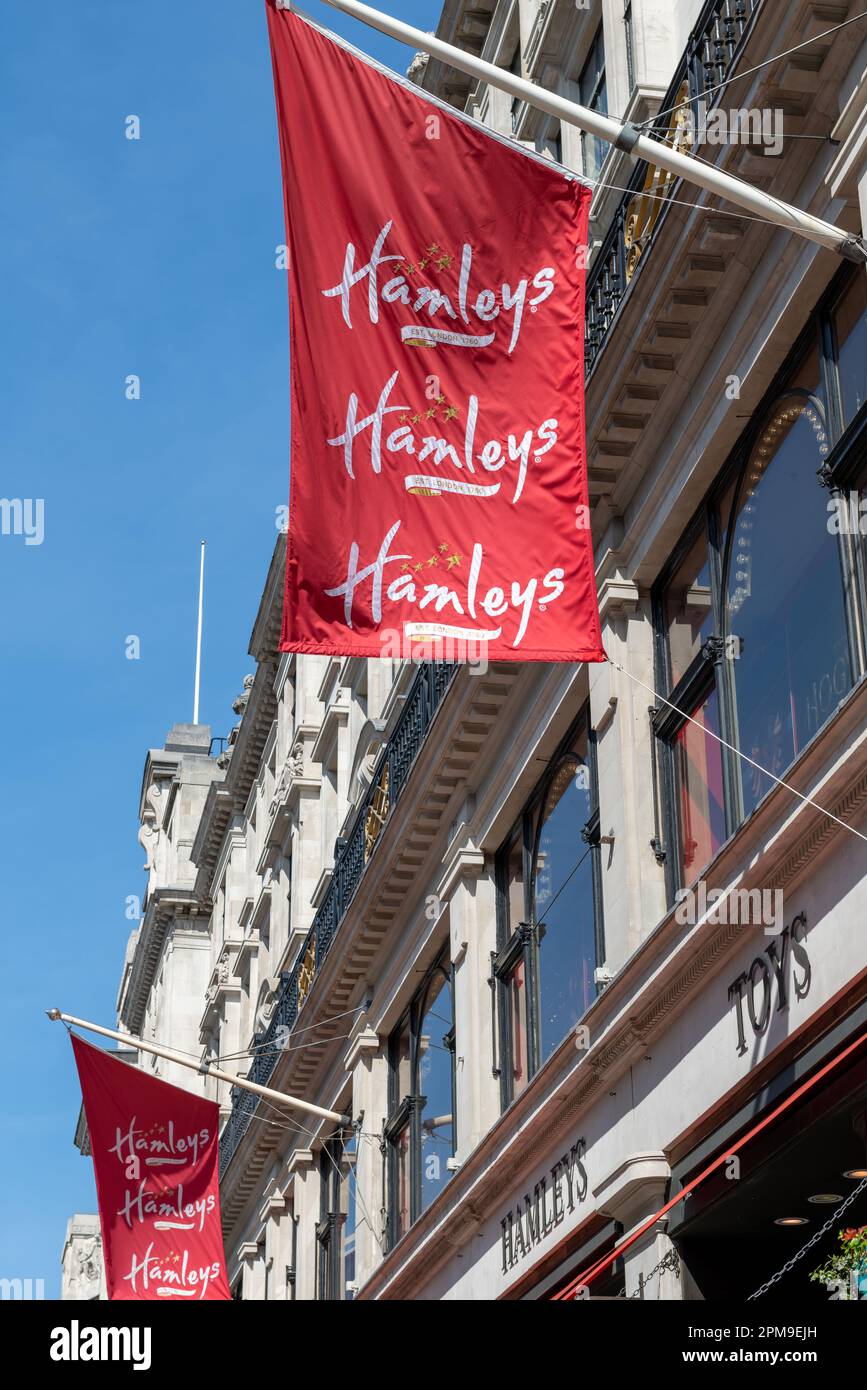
x: 555, y: 1195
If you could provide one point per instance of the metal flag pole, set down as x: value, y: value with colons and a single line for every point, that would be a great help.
x: 199, y: 636
x: 623, y: 134
x: 203, y: 1067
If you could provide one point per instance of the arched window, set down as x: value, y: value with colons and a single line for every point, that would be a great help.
x: 761, y: 614
x: 549, y: 915
x: 784, y: 613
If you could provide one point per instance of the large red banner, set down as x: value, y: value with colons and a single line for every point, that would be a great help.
x: 436, y: 284
x: 154, y: 1152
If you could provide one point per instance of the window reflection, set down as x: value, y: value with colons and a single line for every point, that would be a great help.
x: 515, y: 880
x: 689, y: 618
x: 402, y: 1184
x: 850, y: 325
x: 420, y: 1129
x: 766, y: 577
x: 349, y: 1158
x: 435, y: 1084
x: 784, y: 599
x: 402, y: 1062
x: 517, y: 1023
x: 698, y: 763
x: 549, y: 917
x: 563, y: 908
x: 593, y: 93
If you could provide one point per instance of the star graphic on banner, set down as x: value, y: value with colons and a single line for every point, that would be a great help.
x: 430, y: 413
x: 414, y: 419
x: 432, y: 249
x: 404, y: 567
x: 403, y: 418
x: 418, y: 567
x: 453, y: 561
x: 449, y: 413
x: 444, y: 261
x: 422, y: 264
x: 443, y: 547
x: 441, y: 400
x: 432, y: 562
x: 408, y: 269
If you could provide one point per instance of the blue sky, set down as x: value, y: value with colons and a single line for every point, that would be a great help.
x: 153, y: 257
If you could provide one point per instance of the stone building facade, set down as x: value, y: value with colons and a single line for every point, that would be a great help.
x: 549, y: 934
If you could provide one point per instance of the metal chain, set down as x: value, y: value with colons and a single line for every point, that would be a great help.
x: 670, y: 1261
x: 810, y: 1243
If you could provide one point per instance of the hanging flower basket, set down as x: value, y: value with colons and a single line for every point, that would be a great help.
x: 846, y: 1272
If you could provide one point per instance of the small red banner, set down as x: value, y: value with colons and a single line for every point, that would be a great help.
x: 436, y: 282
x: 154, y: 1152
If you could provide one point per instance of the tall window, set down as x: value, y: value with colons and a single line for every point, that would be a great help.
x: 630, y: 45
x: 593, y: 93
x: 350, y: 1153
x: 515, y: 69
x: 849, y: 319
x: 758, y: 620
x: 420, y: 1131
x: 549, y: 922
x: 335, y: 1230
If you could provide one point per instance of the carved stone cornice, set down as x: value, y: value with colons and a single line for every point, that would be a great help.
x: 618, y: 596
x: 164, y: 906
x: 265, y: 636
x: 231, y: 794
x: 222, y: 985
x: 367, y: 1041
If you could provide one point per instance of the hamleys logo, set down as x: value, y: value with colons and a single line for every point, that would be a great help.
x: 464, y: 305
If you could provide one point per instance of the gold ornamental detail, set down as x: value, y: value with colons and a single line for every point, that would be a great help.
x: 307, y: 971
x: 377, y: 812
x: 645, y: 206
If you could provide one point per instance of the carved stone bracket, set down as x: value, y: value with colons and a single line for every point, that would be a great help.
x: 152, y: 819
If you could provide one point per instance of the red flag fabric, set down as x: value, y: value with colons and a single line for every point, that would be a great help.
x: 154, y: 1152
x: 436, y: 286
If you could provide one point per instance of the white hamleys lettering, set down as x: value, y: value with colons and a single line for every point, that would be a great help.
x: 460, y: 306
x: 169, y: 1206
x: 494, y: 454
x: 159, y: 1145
x: 172, y: 1276
x: 473, y: 601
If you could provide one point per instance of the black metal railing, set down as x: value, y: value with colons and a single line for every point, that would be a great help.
x: 389, y: 777
x: 709, y: 54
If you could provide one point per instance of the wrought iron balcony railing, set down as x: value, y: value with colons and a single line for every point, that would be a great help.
x: 705, y: 63
x: 389, y: 778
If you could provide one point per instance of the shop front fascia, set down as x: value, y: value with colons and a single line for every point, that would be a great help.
x: 706, y: 1021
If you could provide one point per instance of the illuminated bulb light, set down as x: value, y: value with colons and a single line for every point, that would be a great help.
x: 825, y: 1199
x: 856, y: 1174
x: 790, y: 1221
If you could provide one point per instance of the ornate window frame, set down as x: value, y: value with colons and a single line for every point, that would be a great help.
x: 713, y: 669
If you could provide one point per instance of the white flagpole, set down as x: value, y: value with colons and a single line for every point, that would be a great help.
x: 622, y: 134
x: 199, y: 636
x: 204, y: 1068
